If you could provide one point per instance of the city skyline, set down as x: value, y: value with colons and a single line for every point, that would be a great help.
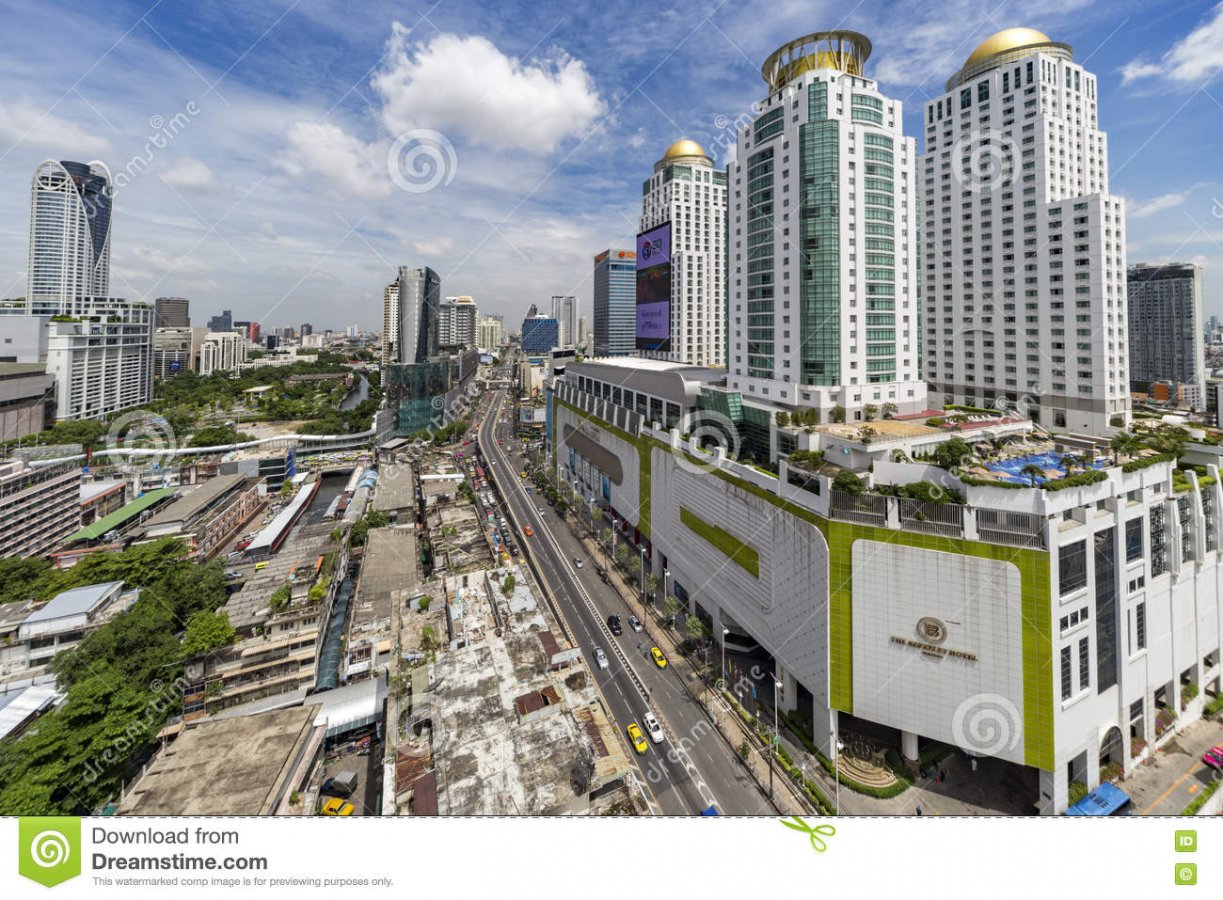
x: 196, y: 203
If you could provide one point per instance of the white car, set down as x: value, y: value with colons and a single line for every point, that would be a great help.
x: 577, y: 561
x: 653, y: 729
x: 600, y: 658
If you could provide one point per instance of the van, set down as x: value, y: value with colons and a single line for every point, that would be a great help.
x: 342, y: 783
x: 260, y: 566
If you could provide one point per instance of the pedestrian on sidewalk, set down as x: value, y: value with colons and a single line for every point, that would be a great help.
x: 919, y: 810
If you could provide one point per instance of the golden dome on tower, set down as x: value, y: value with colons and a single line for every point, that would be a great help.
x: 685, y: 148
x: 1008, y: 39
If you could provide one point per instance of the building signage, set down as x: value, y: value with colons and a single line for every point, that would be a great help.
x: 932, y: 633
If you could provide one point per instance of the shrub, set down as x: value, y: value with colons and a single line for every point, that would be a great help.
x: 1079, y: 479
x: 848, y: 482
x: 1078, y: 791
x: 1200, y: 800
x: 1135, y: 465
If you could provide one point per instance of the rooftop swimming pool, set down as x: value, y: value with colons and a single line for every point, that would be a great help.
x: 1011, y: 469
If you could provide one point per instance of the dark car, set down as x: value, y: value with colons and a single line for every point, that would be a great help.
x: 613, y: 622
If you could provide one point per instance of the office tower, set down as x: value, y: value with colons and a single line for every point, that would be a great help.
x: 306, y: 329
x: 70, y: 219
x: 532, y: 311
x: 254, y: 333
x: 420, y: 295
x: 565, y: 311
x: 175, y: 350
x: 823, y: 238
x: 221, y: 352
x: 223, y: 322
x: 615, y: 301
x: 352, y: 331
x: 390, y: 324
x: 171, y: 312
x: 539, y: 334
x: 583, y: 331
x: 1025, y: 299
x: 684, y: 206
x: 1165, y: 319
x: 490, y: 333
x: 456, y: 323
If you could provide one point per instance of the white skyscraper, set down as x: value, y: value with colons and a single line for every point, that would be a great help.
x: 565, y: 311
x: 390, y: 324
x: 456, y: 322
x: 70, y: 216
x: 824, y: 299
x: 1025, y: 294
x: 687, y: 191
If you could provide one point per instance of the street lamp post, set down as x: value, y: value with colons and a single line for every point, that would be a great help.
x: 773, y: 749
x: 643, y: 582
x: 725, y: 632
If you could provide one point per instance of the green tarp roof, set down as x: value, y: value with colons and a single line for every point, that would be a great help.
x: 120, y: 515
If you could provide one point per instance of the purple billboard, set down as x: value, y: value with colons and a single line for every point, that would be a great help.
x: 654, y: 289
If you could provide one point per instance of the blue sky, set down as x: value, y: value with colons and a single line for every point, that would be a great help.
x: 305, y: 133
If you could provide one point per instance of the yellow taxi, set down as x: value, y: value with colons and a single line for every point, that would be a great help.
x: 637, y: 738
x: 334, y: 806
x: 659, y: 659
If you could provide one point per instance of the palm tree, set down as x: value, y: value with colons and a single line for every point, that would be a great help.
x: 1033, y: 472
x: 1168, y: 440
x: 651, y: 585
x: 1124, y: 444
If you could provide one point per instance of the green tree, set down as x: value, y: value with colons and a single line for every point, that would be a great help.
x: 890, y: 409
x: 651, y: 585
x: 783, y: 419
x: 694, y: 628
x: 206, y: 630
x: 672, y: 605
x: 870, y: 411
x: 952, y: 453
x: 1124, y: 444
x: 848, y: 482
x: 837, y: 413
x: 621, y: 553
x: 1032, y: 471
x: 280, y: 598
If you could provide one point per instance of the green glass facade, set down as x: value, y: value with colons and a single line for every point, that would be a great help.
x: 760, y: 261
x: 820, y: 284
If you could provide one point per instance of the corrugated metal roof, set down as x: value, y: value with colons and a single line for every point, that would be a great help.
x: 119, y: 516
x: 73, y: 602
x: 17, y: 708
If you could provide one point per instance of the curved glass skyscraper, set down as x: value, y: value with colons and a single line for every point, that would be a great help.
x: 70, y: 211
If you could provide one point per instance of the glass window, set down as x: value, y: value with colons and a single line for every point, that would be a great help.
x: 1133, y: 540
x: 1084, y: 664
x: 1072, y: 566
x: 1067, y: 687
x: 1140, y: 625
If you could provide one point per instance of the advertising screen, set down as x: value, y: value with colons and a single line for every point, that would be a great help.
x: 654, y: 289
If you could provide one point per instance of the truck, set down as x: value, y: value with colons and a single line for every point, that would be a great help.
x: 341, y: 784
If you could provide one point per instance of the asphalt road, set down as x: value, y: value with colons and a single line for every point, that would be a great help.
x: 693, y: 768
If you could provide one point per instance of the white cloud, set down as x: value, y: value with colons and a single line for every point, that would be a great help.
x: 24, y: 123
x: 348, y: 163
x: 435, y: 247
x: 268, y: 230
x: 158, y: 261
x: 1142, y: 209
x: 466, y: 86
x: 1193, y: 59
x: 188, y: 172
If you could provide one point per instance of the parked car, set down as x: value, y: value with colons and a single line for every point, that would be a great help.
x: 613, y: 623
x: 634, y: 623
x: 1214, y: 758
x: 600, y: 658
x: 653, y: 728
x: 334, y: 806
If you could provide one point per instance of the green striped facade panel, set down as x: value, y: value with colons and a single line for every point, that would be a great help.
x: 723, y: 541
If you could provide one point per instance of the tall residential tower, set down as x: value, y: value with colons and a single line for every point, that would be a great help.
x: 824, y: 300
x: 70, y: 212
x: 614, y: 302
x: 565, y: 311
x: 1165, y: 312
x: 687, y: 192
x: 1025, y: 297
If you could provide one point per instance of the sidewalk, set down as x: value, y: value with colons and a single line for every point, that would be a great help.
x: 788, y: 798
x: 1167, y: 781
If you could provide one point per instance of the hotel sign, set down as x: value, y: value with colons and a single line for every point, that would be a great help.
x: 933, y: 632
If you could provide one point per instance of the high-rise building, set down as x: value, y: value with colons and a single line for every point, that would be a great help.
x: 1025, y: 297
x: 221, y: 352
x: 306, y: 329
x: 39, y: 507
x: 456, y: 323
x: 1165, y: 319
x: 70, y: 219
x: 689, y: 194
x: 175, y: 350
x: 539, y: 334
x: 583, y: 331
x: 565, y: 311
x: 824, y: 308
x: 490, y: 333
x: 390, y: 324
x: 223, y: 322
x: 171, y: 312
x: 615, y: 299
x: 420, y: 295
